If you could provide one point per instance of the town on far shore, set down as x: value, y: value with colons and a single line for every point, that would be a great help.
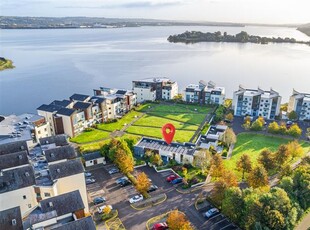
x: 99, y: 161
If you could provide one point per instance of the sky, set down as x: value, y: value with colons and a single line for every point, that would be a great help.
x: 246, y: 11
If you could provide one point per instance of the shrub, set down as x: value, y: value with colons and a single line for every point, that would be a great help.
x: 88, y: 129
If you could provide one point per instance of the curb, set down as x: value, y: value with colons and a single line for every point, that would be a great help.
x: 190, y: 190
x: 164, y: 214
x: 112, y: 218
x: 151, y: 205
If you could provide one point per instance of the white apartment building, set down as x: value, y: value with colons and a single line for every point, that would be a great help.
x: 152, y: 89
x: 256, y: 102
x: 300, y: 103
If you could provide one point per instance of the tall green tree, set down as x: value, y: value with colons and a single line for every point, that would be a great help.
x: 244, y: 164
x: 258, y: 177
x: 266, y: 158
x: 229, y: 137
x: 282, y: 155
x: 233, y: 204
x: 292, y: 115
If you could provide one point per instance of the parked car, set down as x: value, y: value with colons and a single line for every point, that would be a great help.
x: 101, y: 208
x: 211, y: 212
x: 171, y: 177
x: 87, y: 174
x: 160, y: 226
x: 177, y: 180
x: 152, y: 188
x: 289, y: 124
x: 120, y: 180
x: 113, y: 171
x: 98, y: 200
x: 125, y: 183
x: 135, y: 199
x: 90, y: 181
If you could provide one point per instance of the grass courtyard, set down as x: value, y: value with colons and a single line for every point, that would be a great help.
x: 147, y: 120
x: 253, y: 144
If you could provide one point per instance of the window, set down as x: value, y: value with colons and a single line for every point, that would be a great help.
x: 29, y: 205
x: 24, y: 197
x: 39, y: 132
x: 47, y: 194
x: 45, y: 129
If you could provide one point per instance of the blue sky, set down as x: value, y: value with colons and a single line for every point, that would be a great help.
x: 255, y: 11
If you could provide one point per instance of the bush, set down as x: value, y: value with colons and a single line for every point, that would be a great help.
x: 88, y: 129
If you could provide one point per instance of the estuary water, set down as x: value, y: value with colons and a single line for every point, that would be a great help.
x: 54, y: 64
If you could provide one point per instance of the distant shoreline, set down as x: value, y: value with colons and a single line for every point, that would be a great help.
x: 6, y: 64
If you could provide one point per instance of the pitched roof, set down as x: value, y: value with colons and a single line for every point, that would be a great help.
x: 59, y: 153
x: 7, y: 216
x: 63, y: 204
x: 13, y: 147
x: 49, y: 108
x: 66, y: 111
x: 81, y: 105
x: 58, y: 140
x: 78, y: 97
x: 92, y: 156
x: 63, y: 103
x: 86, y: 223
x: 122, y: 92
x: 97, y: 99
x: 65, y: 169
x: 17, y: 178
x: 13, y: 160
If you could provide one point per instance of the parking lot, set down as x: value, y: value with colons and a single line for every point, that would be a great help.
x: 118, y: 197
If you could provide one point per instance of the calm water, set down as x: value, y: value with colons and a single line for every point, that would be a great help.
x: 53, y: 64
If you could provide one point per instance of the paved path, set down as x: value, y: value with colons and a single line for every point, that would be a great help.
x: 304, y: 224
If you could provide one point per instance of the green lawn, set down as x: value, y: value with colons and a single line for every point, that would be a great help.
x: 190, y: 118
x: 145, y: 107
x: 149, y: 120
x: 89, y: 136
x: 253, y: 144
x: 180, y: 135
x: 120, y: 123
x: 181, y: 108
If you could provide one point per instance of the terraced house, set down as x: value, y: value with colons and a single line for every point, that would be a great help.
x: 256, y: 102
x: 300, y: 103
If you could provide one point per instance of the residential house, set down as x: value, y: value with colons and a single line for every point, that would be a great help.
x: 11, y: 219
x: 13, y: 147
x: 300, y: 103
x: 59, y: 154
x: 152, y: 89
x: 94, y: 158
x: 14, y: 160
x: 60, y: 212
x: 256, y: 102
x: 182, y: 153
x: 53, y: 141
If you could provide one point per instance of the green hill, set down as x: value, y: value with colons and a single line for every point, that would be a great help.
x: 5, y: 64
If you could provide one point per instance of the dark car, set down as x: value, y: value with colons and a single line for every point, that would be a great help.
x: 160, y: 226
x: 152, y: 188
x: 125, y: 183
x: 177, y: 180
x: 90, y: 181
x: 113, y: 170
x: 171, y: 177
x: 99, y: 200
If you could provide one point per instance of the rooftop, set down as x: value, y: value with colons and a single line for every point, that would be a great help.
x: 66, y: 111
x: 81, y: 105
x: 153, y: 80
x: 63, y: 103
x: 156, y: 144
x: 58, y: 140
x: 79, y: 97
x: 65, y: 169
x: 255, y: 92
x: 13, y: 147
x: 11, y: 219
x: 13, y: 160
x: 52, y: 108
x: 92, y: 156
x: 80, y: 224
x: 17, y: 178
x: 60, y: 153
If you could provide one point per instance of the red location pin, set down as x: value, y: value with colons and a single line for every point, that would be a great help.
x: 168, y: 131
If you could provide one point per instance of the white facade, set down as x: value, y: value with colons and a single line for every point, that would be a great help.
x: 43, y: 130
x: 169, y: 92
x: 215, y: 95
x: 97, y: 161
x: 251, y: 102
x: 144, y: 94
x: 300, y: 103
x: 49, y: 117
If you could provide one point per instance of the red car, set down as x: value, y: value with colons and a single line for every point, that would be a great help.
x: 171, y: 178
x: 160, y: 226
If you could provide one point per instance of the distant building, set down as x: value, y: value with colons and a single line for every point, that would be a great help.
x: 256, y: 102
x: 182, y: 153
x: 204, y: 93
x: 94, y: 158
x: 152, y: 89
x: 300, y: 103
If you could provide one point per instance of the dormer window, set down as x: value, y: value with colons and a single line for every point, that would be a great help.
x: 27, y: 174
x: 50, y: 204
x: 58, y: 170
x: 52, y: 155
x: 22, y: 147
x: 14, y: 222
x: 20, y: 157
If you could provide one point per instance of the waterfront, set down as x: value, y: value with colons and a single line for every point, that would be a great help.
x: 53, y: 64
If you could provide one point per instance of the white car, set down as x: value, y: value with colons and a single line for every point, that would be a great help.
x: 211, y: 212
x: 101, y: 208
x: 135, y: 199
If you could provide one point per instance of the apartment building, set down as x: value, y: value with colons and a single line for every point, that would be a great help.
x: 25, y: 127
x: 118, y: 101
x: 152, y: 89
x: 66, y: 211
x: 256, y: 102
x: 204, y: 93
x: 300, y: 103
